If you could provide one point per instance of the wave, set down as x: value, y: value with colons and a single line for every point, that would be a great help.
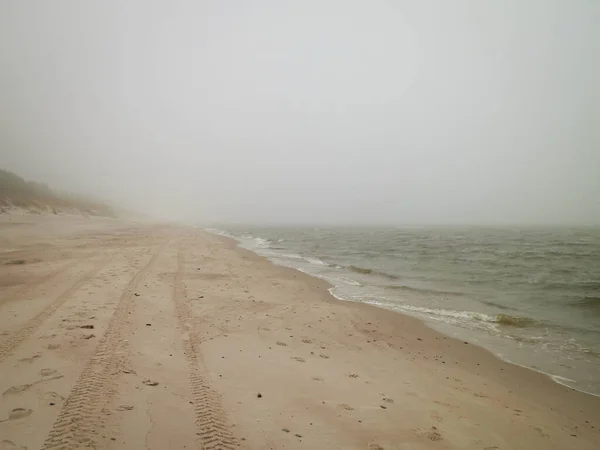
x: 365, y: 271
x: 316, y: 261
x: 398, y: 287
x: 586, y: 286
x: 219, y: 232
x: 289, y: 255
x: 591, y: 303
x: 336, y: 280
x: 359, y: 270
x: 261, y: 243
x: 515, y: 321
x: 297, y: 257
x: 444, y: 313
x: 498, y: 305
x: 258, y: 243
x: 441, y: 314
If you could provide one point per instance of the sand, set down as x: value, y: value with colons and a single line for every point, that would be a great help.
x: 118, y: 335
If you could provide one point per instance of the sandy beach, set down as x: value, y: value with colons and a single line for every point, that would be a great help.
x: 123, y: 335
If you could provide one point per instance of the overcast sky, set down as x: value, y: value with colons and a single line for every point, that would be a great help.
x: 323, y: 111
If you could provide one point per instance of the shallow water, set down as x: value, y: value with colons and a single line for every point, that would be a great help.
x: 532, y: 296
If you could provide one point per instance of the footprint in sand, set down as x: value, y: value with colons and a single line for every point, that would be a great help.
x: 297, y: 358
x: 47, y: 372
x: 353, y: 375
x: 346, y: 407
x: 436, y: 416
x: 388, y: 400
x: 53, y: 346
x: 52, y: 397
x: 124, y: 408
x: 23, y: 387
x: 10, y: 445
x: 30, y: 359
x: 324, y: 356
x: 18, y: 413
x: 16, y: 389
x: 432, y: 434
x: 316, y: 378
x: 306, y: 341
x: 49, y: 336
x: 283, y: 344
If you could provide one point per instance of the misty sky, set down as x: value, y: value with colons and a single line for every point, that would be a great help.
x: 307, y: 111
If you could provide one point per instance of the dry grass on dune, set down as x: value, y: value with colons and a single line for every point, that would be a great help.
x: 17, y: 192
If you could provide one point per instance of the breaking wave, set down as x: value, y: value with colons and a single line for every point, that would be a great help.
x: 364, y: 271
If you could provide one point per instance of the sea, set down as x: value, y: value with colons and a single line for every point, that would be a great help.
x: 529, y: 295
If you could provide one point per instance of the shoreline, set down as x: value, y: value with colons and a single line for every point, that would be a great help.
x: 554, y: 378
x: 329, y: 288
x: 525, y: 382
x: 169, y: 335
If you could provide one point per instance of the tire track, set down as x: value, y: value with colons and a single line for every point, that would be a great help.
x: 43, y: 279
x: 16, y: 338
x: 80, y: 419
x: 213, y: 431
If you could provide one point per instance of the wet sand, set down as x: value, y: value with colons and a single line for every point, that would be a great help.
x: 117, y: 335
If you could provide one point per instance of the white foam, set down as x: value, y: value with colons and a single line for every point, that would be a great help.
x: 295, y: 256
x: 261, y: 243
x: 332, y: 292
x: 289, y: 255
x: 316, y: 261
x: 556, y: 378
x: 448, y: 313
x: 341, y: 280
x: 218, y: 232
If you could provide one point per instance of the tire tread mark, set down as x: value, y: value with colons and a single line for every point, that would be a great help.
x: 213, y: 431
x: 43, y: 279
x: 81, y: 416
x: 16, y: 338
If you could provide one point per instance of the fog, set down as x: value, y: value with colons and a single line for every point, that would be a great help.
x: 354, y: 112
